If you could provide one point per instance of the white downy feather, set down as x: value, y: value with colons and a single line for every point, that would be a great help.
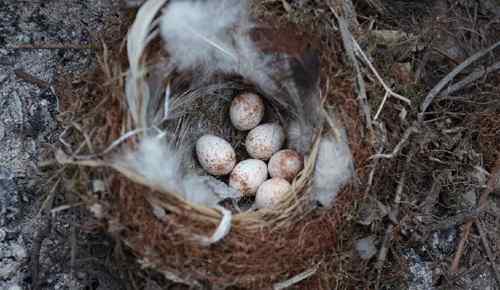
x: 214, y: 36
x: 334, y: 168
x: 155, y: 162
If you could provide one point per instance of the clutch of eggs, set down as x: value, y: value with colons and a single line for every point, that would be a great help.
x: 263, y: 142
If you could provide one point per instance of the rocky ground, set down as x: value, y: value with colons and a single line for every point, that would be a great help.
x: 38, y: 41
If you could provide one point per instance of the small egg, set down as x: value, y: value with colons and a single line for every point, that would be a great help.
x: 246, y: 111
x: 286, y: 164
x: 265, y: 140
x: 271, y: 192
x: 215, y: 155
x: 248, y: 175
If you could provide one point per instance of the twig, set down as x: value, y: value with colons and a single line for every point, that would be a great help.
x: 383, y: 135
x: 286, y: 6
x: 351, y: 45
x: 381, y: 106
x: 406, y: 135
x: 40, y: 236
x: 377, y: 75
x: 296, y: 279
x: 440, y: 86
x: 495, y: 176
x: 22, y: 75
x: 458, y: 219
x: 52, y: 46
x: 421, y: 66
x: 457, y: 276
x: 487, y: 248
x: 393, y: 216
x: 73, y: 244
x: 64, y: 207
x: 475, y: 75
x: 382, y: 255
x: 360, y: 83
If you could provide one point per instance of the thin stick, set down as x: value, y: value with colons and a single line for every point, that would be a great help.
x: 296, y: 279
x: 377, y: 75
x: 360, y: 82
x: 393, y: 216
x: 475, y: 75
x: 448, y: 78
x: 369, y: 183
x: 460, y: 250
x: 351, y: 44
x: 384, y: 249
x: 73, y: 243
x: 487, y: 248
x: 406, y: 135
x: 29, y: 78
x: 52, y: 46
x: 458, y: 219
x: 38, y: 239
x: 494, y: 178
x: 386, y: 96
x: 40, y: 236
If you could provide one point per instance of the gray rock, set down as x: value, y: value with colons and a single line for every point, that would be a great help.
x: 443, y: 243
x: 470, y: 198
x: 365, y: 247
x: 28, y: 122
x: 419, y: 272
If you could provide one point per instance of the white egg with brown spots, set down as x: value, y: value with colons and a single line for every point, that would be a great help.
x: 246, y: 111
x: 272, y: 192
x: 285, y: 164
x: 215, y: 155
x: 248, y: 175
x: 265, y: 140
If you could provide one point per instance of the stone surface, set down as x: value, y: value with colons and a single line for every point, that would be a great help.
x: 34, y: 41
x: 419, y: 272
x: 366, y: 247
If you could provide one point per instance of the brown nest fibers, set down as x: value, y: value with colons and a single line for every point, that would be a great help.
x: 195, y: 243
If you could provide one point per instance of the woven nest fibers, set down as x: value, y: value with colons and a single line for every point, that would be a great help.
x: 141, y: 132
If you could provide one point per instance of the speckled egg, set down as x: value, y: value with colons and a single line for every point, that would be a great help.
x: 286, y: 164
x: 246, y: 111
x: 248, y: 175
x: 265, y: 140
x: 271, y: 192
x: 215, y: 155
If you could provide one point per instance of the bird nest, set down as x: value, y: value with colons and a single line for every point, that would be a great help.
x: 156, y: 111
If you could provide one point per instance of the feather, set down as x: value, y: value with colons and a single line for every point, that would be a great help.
x: 334, y: 168
x: 214, y: 37
x: 202, y: 27
x: 139, y: 35
x: 153, y: 163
